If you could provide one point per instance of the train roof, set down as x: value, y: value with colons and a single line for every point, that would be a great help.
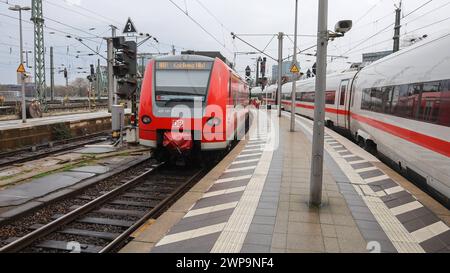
x: 428, y: 60
x: 441, y: 39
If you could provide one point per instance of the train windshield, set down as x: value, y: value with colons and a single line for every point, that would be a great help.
x: 181, y: 82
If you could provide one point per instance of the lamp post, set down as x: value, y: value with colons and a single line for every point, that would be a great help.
x: 24, y: 107
x: 319, y: 106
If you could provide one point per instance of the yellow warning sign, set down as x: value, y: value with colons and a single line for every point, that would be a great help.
x: 294, y: 69
x: 21, y: 69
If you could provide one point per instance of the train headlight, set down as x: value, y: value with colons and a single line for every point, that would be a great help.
x: 146, y: 119
x: 213, y: 122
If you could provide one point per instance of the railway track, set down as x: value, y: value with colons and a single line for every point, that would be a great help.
x: 40, y: 151
x: 105, y: 222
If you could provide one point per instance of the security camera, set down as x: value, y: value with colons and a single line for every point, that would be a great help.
x: 343, y: 26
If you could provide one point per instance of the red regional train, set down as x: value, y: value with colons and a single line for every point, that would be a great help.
x: 398, y: 107
x: 191, y: 105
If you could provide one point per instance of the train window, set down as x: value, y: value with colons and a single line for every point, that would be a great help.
x: 443, y: 117
x: 365, y: 102
x: 308, y: 97
x: 376, y: 95
x: 428, y: 102
x: 404, y: 107
x: 387, y: 93
x: 298, y: 96
x: 330, y: 97
x: 181, y: 86
x: 394, y: 100
x: 343, y: 91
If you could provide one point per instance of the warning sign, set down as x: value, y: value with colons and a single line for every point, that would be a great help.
x: 295, y: 69
x: 21, y: 69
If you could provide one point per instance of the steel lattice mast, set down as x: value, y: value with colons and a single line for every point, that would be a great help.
x: 39, y: 49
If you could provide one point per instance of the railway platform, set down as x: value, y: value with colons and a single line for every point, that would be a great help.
x: 34, y: 184
x: 14, y: 134
x: 256, y: 201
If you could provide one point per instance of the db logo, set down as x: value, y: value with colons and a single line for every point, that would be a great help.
x: 178, y: 123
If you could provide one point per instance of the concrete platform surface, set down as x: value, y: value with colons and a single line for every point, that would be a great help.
x: 12, y: 124
x: 256, y: 200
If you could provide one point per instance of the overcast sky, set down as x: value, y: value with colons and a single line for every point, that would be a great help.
x: 162, y: 19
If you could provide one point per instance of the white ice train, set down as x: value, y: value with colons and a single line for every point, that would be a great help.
x: 398, y: 106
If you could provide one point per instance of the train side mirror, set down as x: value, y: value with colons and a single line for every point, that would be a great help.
x: 343, y: 26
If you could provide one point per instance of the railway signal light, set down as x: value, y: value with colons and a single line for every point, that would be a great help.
x: 248, y: 72
x: 126, y: 88
x: 125, y: 66
x: 263, y: 67
x: 125, y: 58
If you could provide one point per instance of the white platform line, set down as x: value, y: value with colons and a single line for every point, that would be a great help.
x: 186, y: 235
x: 376, y: 179
x: 252, y: 150
x: 245, y: 161
x: 211, y: 209
x: 366, y: 169
x: 358, y: 162
x: 406, y: 208
x: 249, y: 155
x: 402, y: 240
x: 222, y: 192
x: 254, y: 145
x: 231, y: 179
x: 336, y: 145
x: 394, y: 190
x: 347, y: 156
x: 240, y: 169
x: 234, y: 233
x: 430, y: 231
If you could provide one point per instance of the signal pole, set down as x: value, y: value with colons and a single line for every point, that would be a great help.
x: 52, y: 75
x: 280, y: 69
x: 397, y: 27
x: 99, y: 78
x: 111, y: 80
x: 258, y: 60
x: 22, y: 76
x: 319, y: 112
x: 110, y: 73
x: 66, y: 75
x: 294, y: 82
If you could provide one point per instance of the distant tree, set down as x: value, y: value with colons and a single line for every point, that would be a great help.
x: 80, y: 86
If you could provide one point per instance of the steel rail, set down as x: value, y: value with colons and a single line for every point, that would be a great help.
x: 155, y: 212
x: 30, y: 238
x: 54, y: 150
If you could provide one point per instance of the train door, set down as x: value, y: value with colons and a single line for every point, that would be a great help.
x: 342, y: 104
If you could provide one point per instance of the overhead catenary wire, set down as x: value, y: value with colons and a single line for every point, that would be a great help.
x: 94, y: 13
x: 68, y: 8
x: 368, y: 11
x: 428, y: 12
x: 200, y: 25
x: 384, y: 29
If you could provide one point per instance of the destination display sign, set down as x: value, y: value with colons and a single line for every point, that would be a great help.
x: 184, y: 65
